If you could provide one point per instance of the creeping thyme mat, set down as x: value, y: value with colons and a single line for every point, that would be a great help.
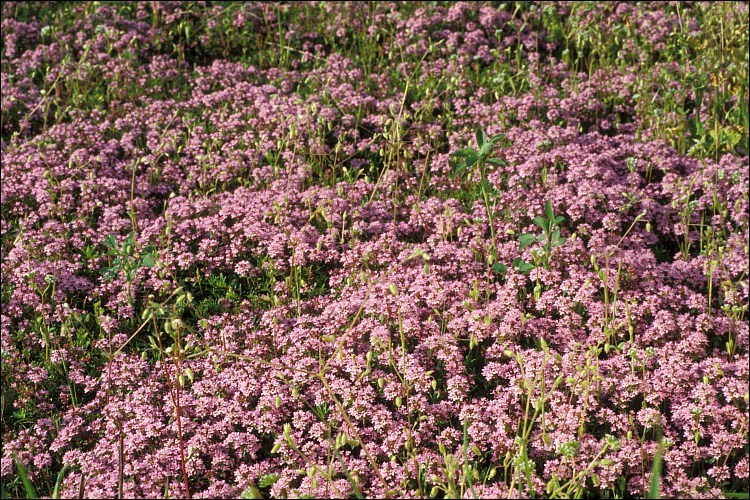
x: 321, y: 249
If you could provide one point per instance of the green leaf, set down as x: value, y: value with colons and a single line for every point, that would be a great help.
x: 466, y: 153
x: 542, y: 222
x: 110, y: 242
x: 653, y: 490
x: 110, y: 273
x: 561, y: 241
x: 555, y: 235
x: 480, y: 137
x: 497, y: 162
x: 548, y: 210
x: 525, y: 267
x: 30, y: 491
x: 268, y: 479
x: 497, y: 137
x: 559, y: 219
x: 357, y: 492
x: 58, y: 483
x: 525, y: 240
x: 499, y: 268
x: 147, y: 260
x: 252, y: 492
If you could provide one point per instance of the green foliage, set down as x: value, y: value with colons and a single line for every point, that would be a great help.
x: 27, y: 486
x: 481, y: 154
x: 123, y: 257
x: 468, y: 157
x: 655, y: 484
x: 252, y: 492
x: 718, y: 85
x: 548, y: 240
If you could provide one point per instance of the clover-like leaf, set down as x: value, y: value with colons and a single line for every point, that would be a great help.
x: 542, y: 222
x: 499, y: 268
x: 485, y: 149
x: 522, y: 266
x: 525, y: 240
x: 147, y: 260
x: 525, y: 267
x: 466, y: 153
x: 110, y: 242
x: 470, y: 157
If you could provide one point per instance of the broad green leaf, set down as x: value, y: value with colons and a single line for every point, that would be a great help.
x: 148, y: 260
x: 499, y: 268
x: 110, y: 242
x: 542, y: 222
x: 525, y: 240
x: 480, y: 137
x: 466, y: 152
x: 525, y: 267
x: 497, y: 137
x: 497, y: 162
x: 559, y: 219
x: 110, y: 273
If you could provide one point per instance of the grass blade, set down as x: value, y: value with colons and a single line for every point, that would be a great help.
x: 467, y: 474
x: 58, y: 482
x: 653, y: 490
x: 30, y: 491
x: 357, y: 493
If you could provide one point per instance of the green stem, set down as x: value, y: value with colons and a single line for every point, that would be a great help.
x: 490, y: 216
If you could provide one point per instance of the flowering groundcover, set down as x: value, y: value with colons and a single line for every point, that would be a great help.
x: 319, y: 249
